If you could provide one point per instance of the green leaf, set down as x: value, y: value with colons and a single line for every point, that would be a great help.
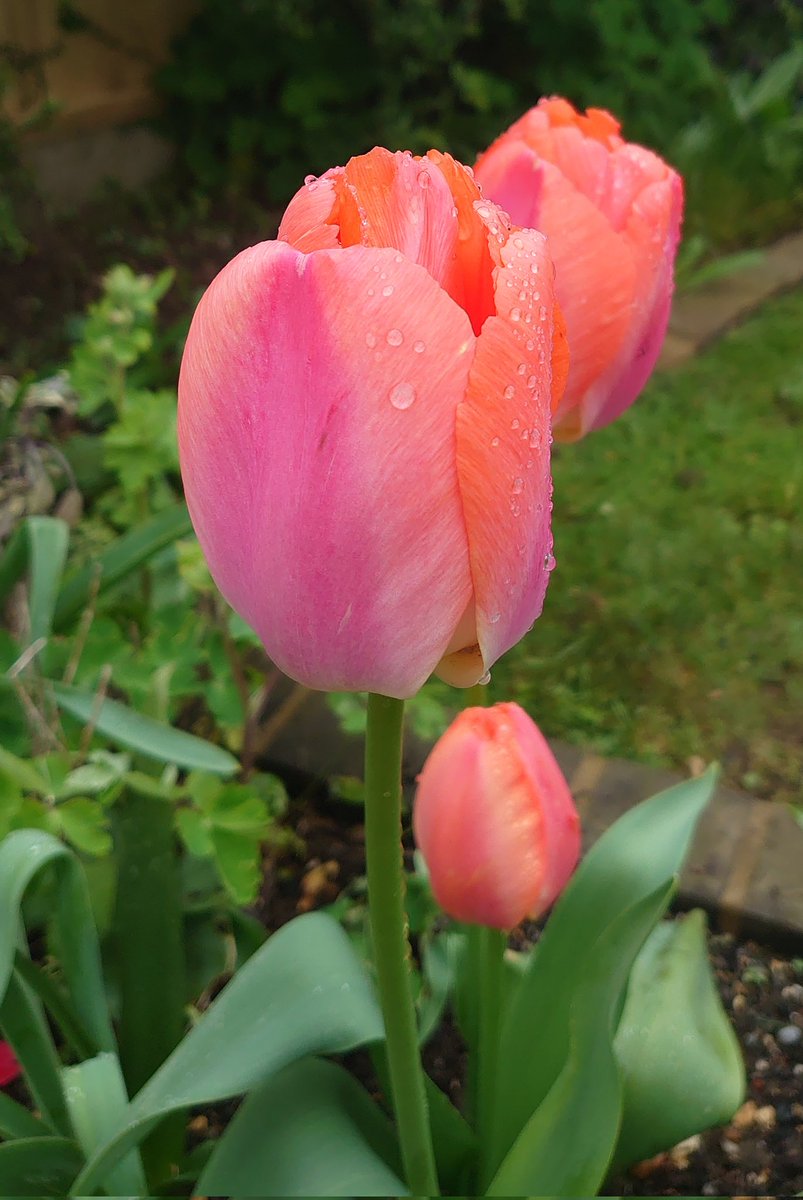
x: 311, y: 1130
x: 119, y: 560
x: 97, y: 1099
x: 23, y: 772
x: 238, y: 861
x: 83, y: 822
x: 549, y: 1158
x: 22, y: 855
x: 151, y: 738
x: 13, y: 562
x: 17, y: 1121
x: 39, y: 1166
x: 642, y: 849
x: 680, y: 1059
x: 47, y: 538
x: 304, y: 992
x: 57, y: 1003
x: 454, y: 1141
x: 25, y: 1028
x: 193, y: 829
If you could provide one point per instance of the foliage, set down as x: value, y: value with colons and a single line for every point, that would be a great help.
x: 262, y: 92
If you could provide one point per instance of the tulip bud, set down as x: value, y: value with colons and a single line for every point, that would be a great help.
x: 611, y: 211
x: 364, y: 428
x: 494, y: 819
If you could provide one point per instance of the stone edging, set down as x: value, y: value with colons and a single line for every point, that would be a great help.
x: 703, y: 314
x: 746, y: 863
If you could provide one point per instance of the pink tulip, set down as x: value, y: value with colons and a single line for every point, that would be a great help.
x: 364, y: 428
x: 611, y: 211
x: 9, y: 1067
x: 494, y: 819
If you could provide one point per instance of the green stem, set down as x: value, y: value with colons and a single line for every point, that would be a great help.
x: 150, y: 956
x: 391, y: 947
x: 492, y: 947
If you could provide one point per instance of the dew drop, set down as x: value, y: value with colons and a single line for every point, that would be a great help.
x: 394, y: 337
x: 494, y: 617
x: 370, y: 341
x: 510, y: 392
x: 518, y: 243
x: 549, y: 562
x: 518, y: 486
x: 535, y: 439
x: 532, y: 381
x: 522, y: 368
x: 398, y: 258
x: 402, y: 395
x: 486, y: 679
x: 494, y: 441
x: 514, y: 424
x: 423, y: 179
x: 311, y: 182
x: 515, y: 507
x: 515, y: 314
x: 542, y: 312
x: 419, y: 347
x: 387, y: 290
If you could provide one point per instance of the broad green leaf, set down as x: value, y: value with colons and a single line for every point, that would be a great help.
x: 83, y: 823
x: 24, y: 1027
x: 680, y: 1060
x: 304, y: 992
x: 642, y: 849
x: 565, y: 1147
x: 311, y: 1130
x: 96, y: 1100
x: 47, y: 538
x: 41, y: 1166
x: 123, y: 557
x: 151, y: 738
x: 454, y: 1141
x: 23, y: 854
x: 95, y: 776
x: 16, y: 1121
x: 194, y: 832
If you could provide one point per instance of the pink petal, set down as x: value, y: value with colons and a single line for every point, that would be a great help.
x: 316, y: 423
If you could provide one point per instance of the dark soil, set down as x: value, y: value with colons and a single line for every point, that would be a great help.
x: 759, y: 1153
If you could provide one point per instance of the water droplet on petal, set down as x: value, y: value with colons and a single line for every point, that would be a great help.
x: 387, y: 290
x: 510, y: 392
x: 494, y: 441
x: 515, y: 314
x: 395, y: 337
x: 402, y: 395
x: 518, y: 486
x: 398, y: 258
x: 532, y: 381
x: 514, y: 424
x: 522, y: 368
x: 494, y: 617
x: 419, y: 347
x: 486, y: 679
x: 549, y: 562
x: 423, y: 179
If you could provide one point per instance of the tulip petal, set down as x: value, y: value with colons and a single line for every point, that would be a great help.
x: 503, y: 448
x: 316, y: 425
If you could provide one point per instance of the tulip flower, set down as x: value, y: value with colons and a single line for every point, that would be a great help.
x: 364, y: 428
x: 494, y: 819
x: 9, y: 1067
x: 611, y: 211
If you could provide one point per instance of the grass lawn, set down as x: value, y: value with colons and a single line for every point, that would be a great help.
x: 673, y: 625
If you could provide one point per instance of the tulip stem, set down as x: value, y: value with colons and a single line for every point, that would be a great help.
x: 391, y: 946
x: 492, y: 945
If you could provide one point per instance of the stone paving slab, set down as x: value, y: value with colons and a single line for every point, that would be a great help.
x: 703, y: 314
x: 746, y: 863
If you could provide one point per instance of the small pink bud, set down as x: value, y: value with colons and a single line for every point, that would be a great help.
x: 494, y: 819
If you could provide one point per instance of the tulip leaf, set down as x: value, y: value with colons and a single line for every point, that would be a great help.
x: 549, y: 1158
x: 303, y: 992
x: 122, y: 557
x: 16, y: 1121
x: 151, y: 738
x: 23, y: 853
x: 47, y: 549
x: 96, y: 1100
x: 24, y: 1027
x: 38, y: 1166
x: 642, y: 849
x: 311, y: 1130
x: 680, y: 1060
